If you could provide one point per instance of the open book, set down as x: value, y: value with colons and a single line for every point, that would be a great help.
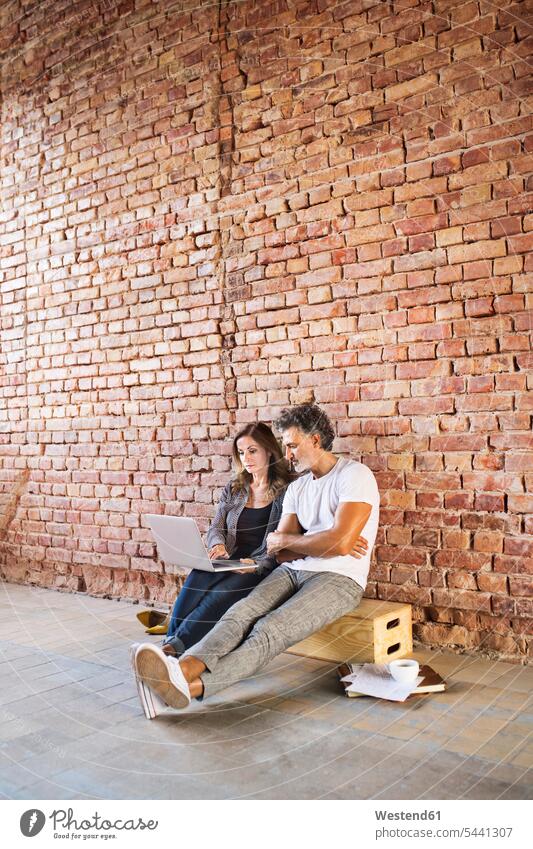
x: 431, y: 680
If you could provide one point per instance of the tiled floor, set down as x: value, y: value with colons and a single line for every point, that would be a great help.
x: 72, y: 727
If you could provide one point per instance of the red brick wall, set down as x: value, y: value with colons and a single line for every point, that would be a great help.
x: 210, y: 213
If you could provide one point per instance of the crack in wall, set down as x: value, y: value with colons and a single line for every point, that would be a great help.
x: 227, y: 324
x: 10, y: 499
x: 12, y: 502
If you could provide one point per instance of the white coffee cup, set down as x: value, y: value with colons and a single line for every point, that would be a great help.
x: 404, y: 670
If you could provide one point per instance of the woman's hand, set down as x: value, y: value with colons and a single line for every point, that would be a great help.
x: 360, y: 548
x: 246, y: 571
x: 218, y: 552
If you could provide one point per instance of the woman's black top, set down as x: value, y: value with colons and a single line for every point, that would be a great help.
x: 251, y: 528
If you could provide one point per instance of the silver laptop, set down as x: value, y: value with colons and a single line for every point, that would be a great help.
x: 179, y: 542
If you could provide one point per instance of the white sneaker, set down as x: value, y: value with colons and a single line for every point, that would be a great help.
x: 163, y: 675
x: 150, y: 701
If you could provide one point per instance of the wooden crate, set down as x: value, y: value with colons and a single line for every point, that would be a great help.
x: 375, y: 632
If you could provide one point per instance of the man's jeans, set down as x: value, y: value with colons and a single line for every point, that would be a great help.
x: 202, y: 601
x: 287, y: 606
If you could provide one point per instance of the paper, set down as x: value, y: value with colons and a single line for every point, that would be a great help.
x: 372, y: 679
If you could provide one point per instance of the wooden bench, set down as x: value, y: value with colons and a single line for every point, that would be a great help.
x: 375, y: 632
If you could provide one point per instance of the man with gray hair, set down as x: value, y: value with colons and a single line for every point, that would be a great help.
x: 322, y: 574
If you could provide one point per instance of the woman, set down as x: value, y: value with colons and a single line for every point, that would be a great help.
x: 249, y: 509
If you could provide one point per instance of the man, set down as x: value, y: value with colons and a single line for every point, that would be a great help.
x: 320, y: 577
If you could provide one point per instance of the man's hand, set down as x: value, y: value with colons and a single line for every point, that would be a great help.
x: 276, y: 541
x: 246, y: 571
x: 218, y: 552
x: 360, y: 548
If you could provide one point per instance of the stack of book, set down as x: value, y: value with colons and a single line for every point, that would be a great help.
x: 431, y: 681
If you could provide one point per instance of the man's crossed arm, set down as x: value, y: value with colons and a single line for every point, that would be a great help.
x: 289, y: 542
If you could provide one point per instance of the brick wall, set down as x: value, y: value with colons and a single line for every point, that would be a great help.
x: 208, y: 213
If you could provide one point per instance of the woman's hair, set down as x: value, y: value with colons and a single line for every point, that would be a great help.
x: 309, y: 419
x: 279, y: 472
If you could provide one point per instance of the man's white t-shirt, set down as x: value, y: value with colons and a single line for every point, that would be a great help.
x: 315, y: 500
